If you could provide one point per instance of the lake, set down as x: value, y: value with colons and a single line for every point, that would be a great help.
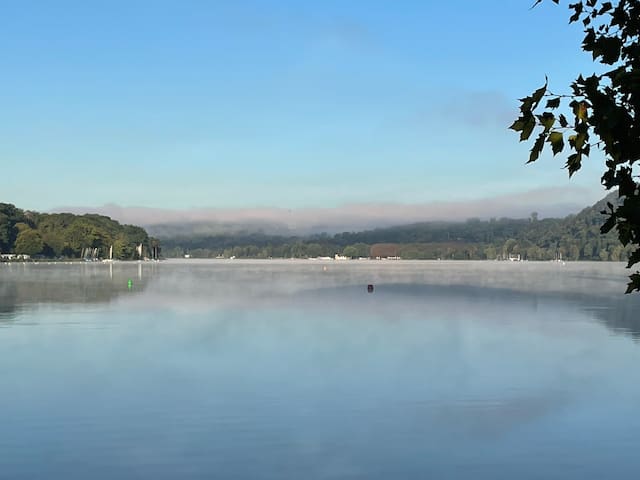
x: 292, y: 369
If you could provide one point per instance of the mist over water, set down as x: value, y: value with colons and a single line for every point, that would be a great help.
x: 291, y: 369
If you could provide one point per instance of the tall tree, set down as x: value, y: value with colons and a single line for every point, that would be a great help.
x: 601, y: 111
x: 9, y: 217
x: 29, y: 242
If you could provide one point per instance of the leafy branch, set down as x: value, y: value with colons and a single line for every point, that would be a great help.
x: 604, y: 107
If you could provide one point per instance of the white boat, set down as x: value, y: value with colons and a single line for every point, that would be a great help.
x: 110, y: 259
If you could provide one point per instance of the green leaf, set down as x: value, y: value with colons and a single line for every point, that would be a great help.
x: 537, y: 148
x: 557, y: 142
x: 579, y: 109
x: 634, y: 284
x: 609, y: 224
x: 608, y: 48
x: 518, y: 125
x: 526, y: 105
x: 528, y: 129
x: 553, y: 103
x: 606, y: 6
x: 578, y: 8
x: 574, y: 162
x: 563, y: 121
x: 634, y: 258
x: 547, y: 119
x: 538, y: 94
x: 589, y: 41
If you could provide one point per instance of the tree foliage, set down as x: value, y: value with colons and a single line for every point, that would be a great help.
x: 67, y: 235
x: 10, y: 216
x: 601, y: 111
x: 576, y: 237
x: 29, y: 241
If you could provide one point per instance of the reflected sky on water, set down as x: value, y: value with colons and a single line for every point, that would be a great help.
x: 290, y: 369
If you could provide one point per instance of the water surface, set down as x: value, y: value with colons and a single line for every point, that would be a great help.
x: 290, y: 369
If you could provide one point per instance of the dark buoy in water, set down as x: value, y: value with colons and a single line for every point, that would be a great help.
x: 370, y: 288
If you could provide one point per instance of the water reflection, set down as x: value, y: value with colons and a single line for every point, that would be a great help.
x: 201, y: 286
x: 28, y: 286
x: 290, y: 370
x: 400, y: 288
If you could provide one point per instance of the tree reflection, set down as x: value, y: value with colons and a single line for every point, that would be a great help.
x: 24, y: 287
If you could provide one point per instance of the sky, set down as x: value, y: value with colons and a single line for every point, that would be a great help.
x: 282, y: 104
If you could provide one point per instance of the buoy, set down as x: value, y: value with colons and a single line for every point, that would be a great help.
x: 370, y: 288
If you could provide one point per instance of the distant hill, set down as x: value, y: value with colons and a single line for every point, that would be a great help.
x: 551, y: 202
x: 576, y: 237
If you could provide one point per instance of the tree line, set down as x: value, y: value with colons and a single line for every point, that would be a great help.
x: 65, y: 235
x: 576, y: 237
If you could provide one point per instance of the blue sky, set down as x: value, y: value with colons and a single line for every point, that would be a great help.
x: 286, y: 104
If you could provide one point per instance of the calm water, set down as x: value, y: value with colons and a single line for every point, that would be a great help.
x: 252, y: 370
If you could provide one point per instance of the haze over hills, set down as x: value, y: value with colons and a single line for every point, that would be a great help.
x: 166, y: 223
x: 574, y: 237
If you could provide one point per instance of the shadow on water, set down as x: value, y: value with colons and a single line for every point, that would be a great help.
x: 621, y: 316
x: 25, y: 287
x: 618, y: 313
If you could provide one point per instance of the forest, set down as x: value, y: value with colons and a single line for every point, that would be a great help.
x: 575, y: 237
x: 65, y: 235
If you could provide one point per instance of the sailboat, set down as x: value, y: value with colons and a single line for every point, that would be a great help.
x: 110, y: 259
